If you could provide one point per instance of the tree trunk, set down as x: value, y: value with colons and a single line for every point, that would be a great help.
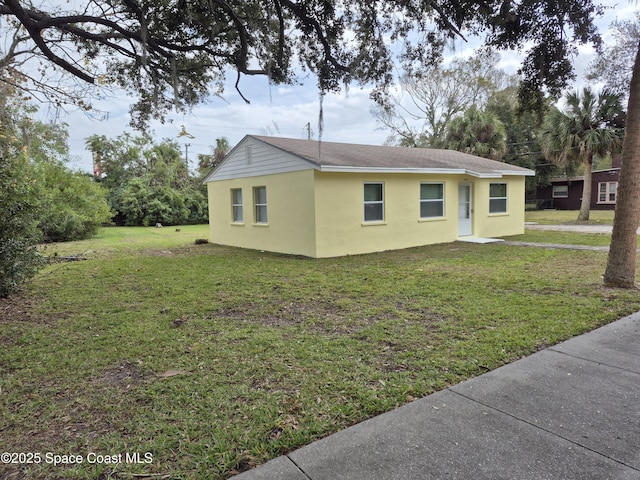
x: 585, y: 205
x: 621, y: 264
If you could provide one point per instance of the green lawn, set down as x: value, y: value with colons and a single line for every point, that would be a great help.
x: 566, y: 217
x: 565, y: 238
x: 596, y: 217
x: 212, y: 359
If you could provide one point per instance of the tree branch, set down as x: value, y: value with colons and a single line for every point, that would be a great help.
x: 34, y: 31
x: 302, y: 15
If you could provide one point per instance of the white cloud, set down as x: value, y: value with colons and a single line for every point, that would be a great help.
x: 284, y: 111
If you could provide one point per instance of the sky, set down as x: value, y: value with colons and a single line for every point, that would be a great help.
x: 287, y: 111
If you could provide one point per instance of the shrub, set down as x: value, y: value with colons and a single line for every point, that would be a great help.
x: 20, y: 207
x: 76, y: 205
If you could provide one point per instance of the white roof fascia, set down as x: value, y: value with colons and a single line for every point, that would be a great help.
x: 431, y: 171
x: 502, y: 173
x: 483, y: 175
x: 441, y: 171
x: 526, y: 173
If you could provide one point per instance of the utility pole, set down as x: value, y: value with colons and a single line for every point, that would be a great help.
x: 186, y: 154
x: 308, y: 130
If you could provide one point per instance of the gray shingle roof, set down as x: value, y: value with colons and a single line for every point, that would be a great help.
x: 332, y: 156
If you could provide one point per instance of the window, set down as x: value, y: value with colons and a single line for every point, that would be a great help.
x: 373, y: 202
x: 260, y: 204
x: 431, y: 200
x: 498, y: 198
x: 236, y: 205
x: 607, y: 192
x: 560, y: 191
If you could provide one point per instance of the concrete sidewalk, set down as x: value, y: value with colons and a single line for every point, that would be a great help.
x: 604, y: 229
x: 571, y: 411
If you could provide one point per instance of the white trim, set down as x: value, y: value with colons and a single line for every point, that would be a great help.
x: 235, y: 206
x: 336, y: 169
x: 505, y: 198
x: 607, y: 193
x: 259, y: 206
x: 431, y: 171
x: 465, y: 224
x: 373, y: 202
x: 526, y: 173
x: 494, y: 174
x: 432, y: 200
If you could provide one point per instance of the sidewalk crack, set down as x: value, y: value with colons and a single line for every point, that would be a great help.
x: 590, y: 360
x: 544, y: 430
x: 299, y: 467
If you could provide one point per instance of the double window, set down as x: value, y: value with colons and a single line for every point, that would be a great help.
x: 607, y: 192
x: 498, y: 198
x: 260, y: 204
x: 431, y: 200
x: 374, y: 202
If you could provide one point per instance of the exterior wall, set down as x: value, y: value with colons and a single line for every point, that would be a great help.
x: 573, y: 200
x: 320, y: 214
x: 607, y: 176
x: 340, y: 225
x: 546, y: 200
x: 341, y: 229
x: 486, y: 224
x: 290, y: 210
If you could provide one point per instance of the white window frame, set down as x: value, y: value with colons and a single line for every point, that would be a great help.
x: 373, y: 202
x: 237, y: 211
x: 555, y: 194
x: 431, y: 200
x: 493, y: 199
x: 260, y: 214
x: 608, y: 191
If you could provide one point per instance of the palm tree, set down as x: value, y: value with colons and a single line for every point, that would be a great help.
x: 478, y: 133
x: 590, y: 125
x: 221, y: 150
x: 207, y: 162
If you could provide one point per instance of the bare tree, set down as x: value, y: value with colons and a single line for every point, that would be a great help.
x: 429, y: 99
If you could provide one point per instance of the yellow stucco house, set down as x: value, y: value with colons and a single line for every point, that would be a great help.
x: 324, y: 199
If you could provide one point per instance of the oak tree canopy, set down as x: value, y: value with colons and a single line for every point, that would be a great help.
x: 173, y: 54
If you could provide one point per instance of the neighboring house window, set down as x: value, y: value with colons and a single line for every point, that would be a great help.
x: 560, y: 191
x: 260, y: 204
x: 498, y: 198
x: 607, y: 192
x: 236, y: 205
x: 431, y: 200
x: 373, y: 202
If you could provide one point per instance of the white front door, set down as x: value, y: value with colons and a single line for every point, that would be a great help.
x: 465, y: 222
